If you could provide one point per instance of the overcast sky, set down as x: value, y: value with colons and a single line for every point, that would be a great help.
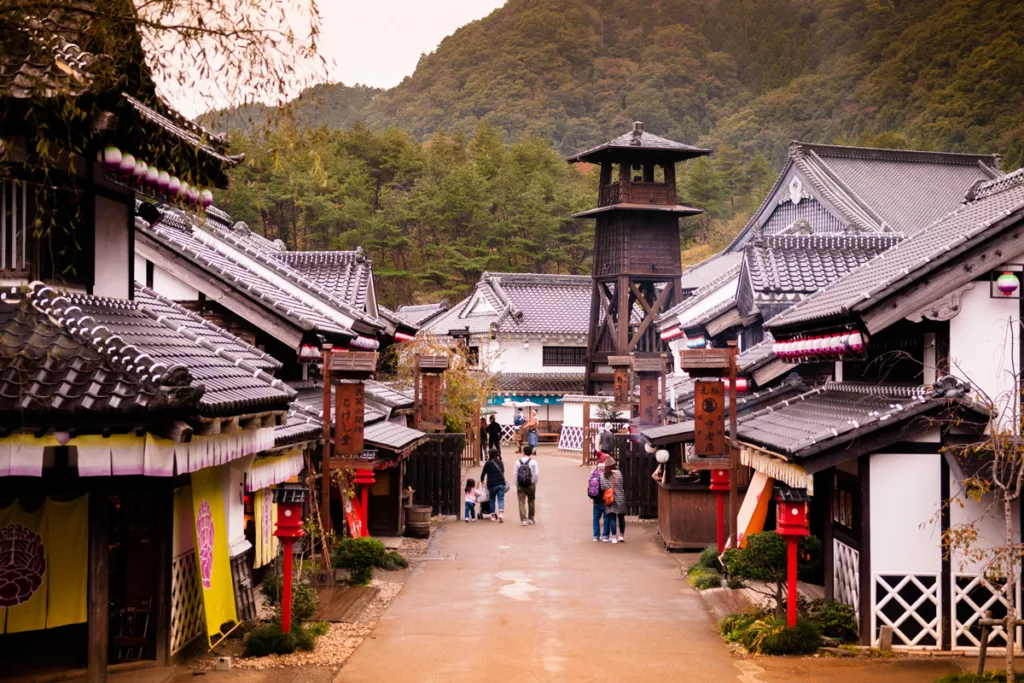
x: 376, y: 42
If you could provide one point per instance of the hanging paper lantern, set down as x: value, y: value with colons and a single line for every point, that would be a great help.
x: 127, y: 165
x: 152, y: 175
x: 140, y: 170
x: 193, y: 195
x: 111, y: 157
x: 163, y: 180
x: 857, y: 342
x: 183, y: 191
x: 174, y: 186
x: 1007, y: 283
x: 205, y: 198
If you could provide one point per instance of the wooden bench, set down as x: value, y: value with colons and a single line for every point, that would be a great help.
x: 547, y: 437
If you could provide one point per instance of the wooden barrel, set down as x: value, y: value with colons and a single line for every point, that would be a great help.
x: 417, y: 521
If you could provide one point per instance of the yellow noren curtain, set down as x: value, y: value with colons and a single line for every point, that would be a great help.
x: 212, y: 558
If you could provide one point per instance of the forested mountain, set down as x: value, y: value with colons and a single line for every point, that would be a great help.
x: 459, y: 168
x: 940, y: 74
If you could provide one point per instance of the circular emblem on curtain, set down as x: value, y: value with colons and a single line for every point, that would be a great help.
x: 22, y: 564
x: 204, y: 533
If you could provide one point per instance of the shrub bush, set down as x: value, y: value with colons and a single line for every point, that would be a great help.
x: 834, y: 619
x: 763, y: 633
x: 770, y: 636
x: 268, y: 639
x: 987, y: 677
x: 392, y: 561
x: 359, y: 556
x: 703, y: 579
x: 708, y: 559
x: 305, y: 598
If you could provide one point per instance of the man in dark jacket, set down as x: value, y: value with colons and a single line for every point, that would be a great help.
x: 493, y: 477
x: 494, y: 434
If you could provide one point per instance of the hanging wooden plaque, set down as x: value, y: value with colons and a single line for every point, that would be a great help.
x: 649, y: 400
x: 709, y: 418
x: 430, y: 416
x: 348, y: 419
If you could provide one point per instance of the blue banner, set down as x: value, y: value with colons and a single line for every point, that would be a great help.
x: 540, y: 400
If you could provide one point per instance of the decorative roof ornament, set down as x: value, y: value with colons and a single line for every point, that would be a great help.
x: 638, y: 132
x: 796, y: 189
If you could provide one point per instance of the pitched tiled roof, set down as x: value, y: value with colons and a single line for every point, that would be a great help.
x: 523, y: 303
x: 301, y: 426
x: 638, y: 139
x: 709, y: 270
x: 228, y: 385
x: 177, y: 232
x: 422, y: 314
x: 188, y: 323
x: 539, y: 383
x: 711, y: 295
x: 378, y: 433
x: 346, y: 274
x: 45, y: 57
x: 805, y: 263
x: 834, y: 414
x: 879, y: 190
x: 1001, y: 201
x: 184, y: 129
x: 387, y: 396
x: 908, y: 190
x: 53, y: 366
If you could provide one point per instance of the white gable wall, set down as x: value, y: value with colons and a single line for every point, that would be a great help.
x: 113, y: 255
x: 983, y: 342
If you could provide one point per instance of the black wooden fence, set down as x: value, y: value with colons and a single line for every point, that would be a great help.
x: 434, y: 471
x: 637, y: 466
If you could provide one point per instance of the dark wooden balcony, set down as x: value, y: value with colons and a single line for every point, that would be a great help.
x: 636, y: 193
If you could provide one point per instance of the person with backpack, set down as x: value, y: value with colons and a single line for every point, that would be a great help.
x: 613, y: 495
x: 527, y: 475
x: 494, y: 475
x: 594, y: 491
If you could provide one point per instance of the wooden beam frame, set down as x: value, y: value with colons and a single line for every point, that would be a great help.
x: 98, y: 609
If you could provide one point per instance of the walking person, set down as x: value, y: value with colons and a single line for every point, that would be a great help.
x: 518, y: 423
x: 613, y: 494
x: 470, y: 500
x: 606, y: 439
x: 483, y: 440
x: 594, y: 492
x: 494, y: 476
x: 494, y: 434
x: 527, y: 476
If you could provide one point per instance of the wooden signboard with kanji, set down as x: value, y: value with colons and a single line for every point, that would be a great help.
x: 430, y: 402
x: 649, y: 400
x: 709, y: 418
x: 348, y: 419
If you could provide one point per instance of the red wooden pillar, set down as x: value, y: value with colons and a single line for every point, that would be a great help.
x: 720, y: 487
x: 791, y: 523
x: 289, y: 499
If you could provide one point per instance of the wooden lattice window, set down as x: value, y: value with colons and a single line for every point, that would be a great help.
x: 565, y: 356
x: 15, y: 222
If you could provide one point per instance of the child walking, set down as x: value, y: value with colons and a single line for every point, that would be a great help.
x: 470, y: 500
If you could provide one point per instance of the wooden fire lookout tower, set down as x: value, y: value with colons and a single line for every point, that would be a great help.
x: 637, y: 262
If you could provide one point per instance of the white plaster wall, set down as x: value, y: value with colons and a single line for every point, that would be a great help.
x: 112, y: 250
x: 511, y: 355
x: 906, y: 536
x: 170, y: 286
x: 572, y: 414
x: 504, y: 414
x: 982, y: 343
x: 987, y: 520
x: 140, y: 268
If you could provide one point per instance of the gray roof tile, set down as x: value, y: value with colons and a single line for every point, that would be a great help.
x: 804, y: 264
x: 910, y: 259
x: 709, y: 270
x: 539, y: 383
x: 346, y: 274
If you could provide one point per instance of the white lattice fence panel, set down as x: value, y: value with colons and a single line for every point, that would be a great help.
x: 571, y: 439
x: 911, y: 604
x: 508, y: 433
x: 846, y: 575
x: 186, y: 602
x: 973, y: 595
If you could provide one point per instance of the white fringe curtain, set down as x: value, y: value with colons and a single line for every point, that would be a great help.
x: 274, y: 469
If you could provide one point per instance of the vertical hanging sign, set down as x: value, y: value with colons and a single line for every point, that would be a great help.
x: 348, y: 419
x: 709, y: 418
